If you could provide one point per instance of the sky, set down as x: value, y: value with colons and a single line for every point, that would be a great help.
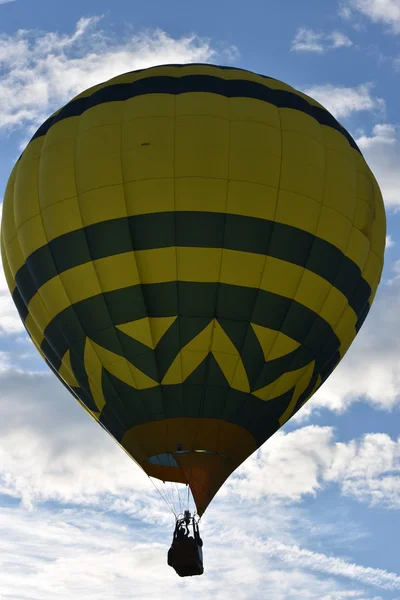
x: 315, y: 513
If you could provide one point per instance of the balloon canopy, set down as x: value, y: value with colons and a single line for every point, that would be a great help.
x: 192, y: 249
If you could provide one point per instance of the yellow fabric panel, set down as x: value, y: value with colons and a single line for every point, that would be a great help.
x: 159, y: 326
x: 51, y: 299
x: 62, y: 217
x: 334, y: 228
x: 378, y: 230
x: 221, y: 343
x: 202, y: 103
x: 340, y: 183
x: 98, y: 158
x: 95, y: 385
x: 149, y: 106
x: 251, y: 200
x: 365, y: 188
x: 312, y: 291
x: 25, y: 197
x: 156, y: 265
x: 33, y: 149
x: 281, y: 277
x: 240, y: 268
x: 229, y: 359
x: 175, y: 372
x: 304, y: 125
x: 39, y: 313
x: 372, y: 269
x: 300, y: 387
x: 7, y: 271
x: 190, y: 357
x: 228, y: 364
x: 363, y: 216
x: 102, y: 115
x: 267, y: 338
x: 149, y: 196
x: 123, y: 369
x: 345, y: 330
x: 151, y: 131
x: 201, y: 147
x: 25, y: 176
x: 57, y: 162
x: 114, y: 275
x: 200, y: 194
x: 138, y: 330
x: 198, y: 264
x: 92, y: 361
x: 284, y: 383
x: 203, y: 341
x: 358, y: 248
x: 281, y: 345
x: 252, y: 146
x: 240, y: 380
x: 8, y: 230
x: 333, y: 307
x: 94, y: 369
x: 148, y: 148
x: 63, y: 130
x: 14, y: 256
x: 31, y: 235
x: 298, y: 211
x: 334, y: 140
x: 190, y: 361
x: 80, y: 282
x: 34, y: 331
x: 253, y: 110
x: 65, y: 371
x: 102, y: 204
x: 303, y: 168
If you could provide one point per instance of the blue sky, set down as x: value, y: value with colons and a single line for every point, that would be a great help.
x: 315, y: 513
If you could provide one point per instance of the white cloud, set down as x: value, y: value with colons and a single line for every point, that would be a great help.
x: 369, y: 372
x: 44, y: 70
x: 307, y: 40
x: 390, y: 241
x: 303, y: 461
x: 378, y: 11
x: 6, y: 1
x: 382, y: 152
x: 96, y: 555
x: 91, y: 525
x: 50, y: 450
x: 342, y: 101
x: 339, y: 40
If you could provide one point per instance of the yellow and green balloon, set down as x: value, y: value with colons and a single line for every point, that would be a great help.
x: 192, y: 249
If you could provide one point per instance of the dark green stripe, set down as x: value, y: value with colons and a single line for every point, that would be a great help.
x: 20, y: 304
x: 194, y: 229
x: 259, y: 418
x: 196, y: 304
x: 195, y: 83
x: 206, y: 393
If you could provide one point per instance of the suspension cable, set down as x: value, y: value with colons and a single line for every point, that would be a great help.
x: 163, y: 497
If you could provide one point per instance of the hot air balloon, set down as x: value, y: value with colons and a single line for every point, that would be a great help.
x: 192, y: 250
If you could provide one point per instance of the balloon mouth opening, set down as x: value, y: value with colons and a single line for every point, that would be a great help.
x: 167, y: 459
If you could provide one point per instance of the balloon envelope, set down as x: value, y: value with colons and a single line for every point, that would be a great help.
x: 192, y: 249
